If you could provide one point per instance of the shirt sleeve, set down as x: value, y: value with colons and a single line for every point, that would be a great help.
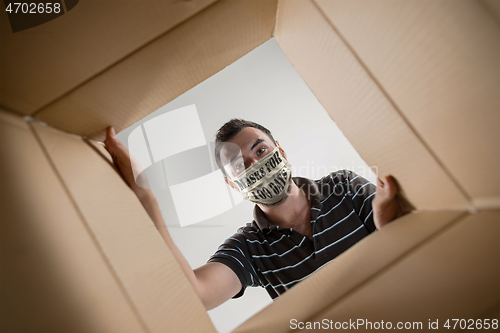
x: 361, y: 192
x: 234, y: 254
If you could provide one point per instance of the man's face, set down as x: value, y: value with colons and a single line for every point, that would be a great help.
x: 246, y: 148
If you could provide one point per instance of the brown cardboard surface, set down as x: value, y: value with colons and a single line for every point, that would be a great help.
x: 361, y: 108
x: 352, y: 269
x: 493, y: 313
x: 53, y: 276
x: 41, y: 64
x: 137, y: 253
x: 493, y: 7
x: 100, y: 149
x: 455, y: 275
x: 164, y: 69
x: 439, y: 62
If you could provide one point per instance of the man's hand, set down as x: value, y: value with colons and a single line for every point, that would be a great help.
x: 121, y: 158
x: 386, y: 205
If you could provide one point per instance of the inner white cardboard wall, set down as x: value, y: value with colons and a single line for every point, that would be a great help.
x: 263, y: 87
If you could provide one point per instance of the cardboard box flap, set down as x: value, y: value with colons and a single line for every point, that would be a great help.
x: 361, y: 108
x: 349, y: 271
x: 54, y: 277
x: 435, y: 279
x: 439, y: 62
x: 493, y: 7
x: 455, y: 275
x: 141, y: 260
x: 162, y: 70
x: 42, y: 64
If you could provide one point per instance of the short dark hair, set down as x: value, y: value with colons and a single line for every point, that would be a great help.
x: 229, y: 130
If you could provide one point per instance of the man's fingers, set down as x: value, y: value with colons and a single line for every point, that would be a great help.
x: 110, y: 132
x: 111, y: 141
x: 387, y: 187
x: 110, y: 135
x: 392, y: 188
x: 379, y: 182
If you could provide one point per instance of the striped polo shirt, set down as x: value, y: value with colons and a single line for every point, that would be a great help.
x: 276, y: 258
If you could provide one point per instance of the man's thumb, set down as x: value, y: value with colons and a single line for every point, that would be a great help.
x: 111, y: 132
x: 111, y: 135
x: 391, y: 186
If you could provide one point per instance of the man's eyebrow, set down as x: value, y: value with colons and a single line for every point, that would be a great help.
x: 256, y: 143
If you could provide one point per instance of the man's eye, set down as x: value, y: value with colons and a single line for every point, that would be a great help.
x: 261, y: 150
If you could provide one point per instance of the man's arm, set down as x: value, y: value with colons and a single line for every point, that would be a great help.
x: 214, y: 282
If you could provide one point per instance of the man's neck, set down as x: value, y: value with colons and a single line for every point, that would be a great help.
x: 294, y: 211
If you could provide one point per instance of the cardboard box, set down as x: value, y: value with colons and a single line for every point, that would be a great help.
x: 414, y: 86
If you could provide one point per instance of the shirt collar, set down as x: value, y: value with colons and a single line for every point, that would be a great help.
x: 317, y: 192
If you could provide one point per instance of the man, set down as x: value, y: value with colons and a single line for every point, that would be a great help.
x: 299, y: 224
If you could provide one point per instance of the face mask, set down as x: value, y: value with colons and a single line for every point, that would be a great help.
x: 267, y: 180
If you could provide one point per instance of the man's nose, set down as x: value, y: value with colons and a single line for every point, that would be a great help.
x: 251, y: 161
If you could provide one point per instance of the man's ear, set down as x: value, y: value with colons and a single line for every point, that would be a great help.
x: 282, y: 151
x: 230, y: 183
